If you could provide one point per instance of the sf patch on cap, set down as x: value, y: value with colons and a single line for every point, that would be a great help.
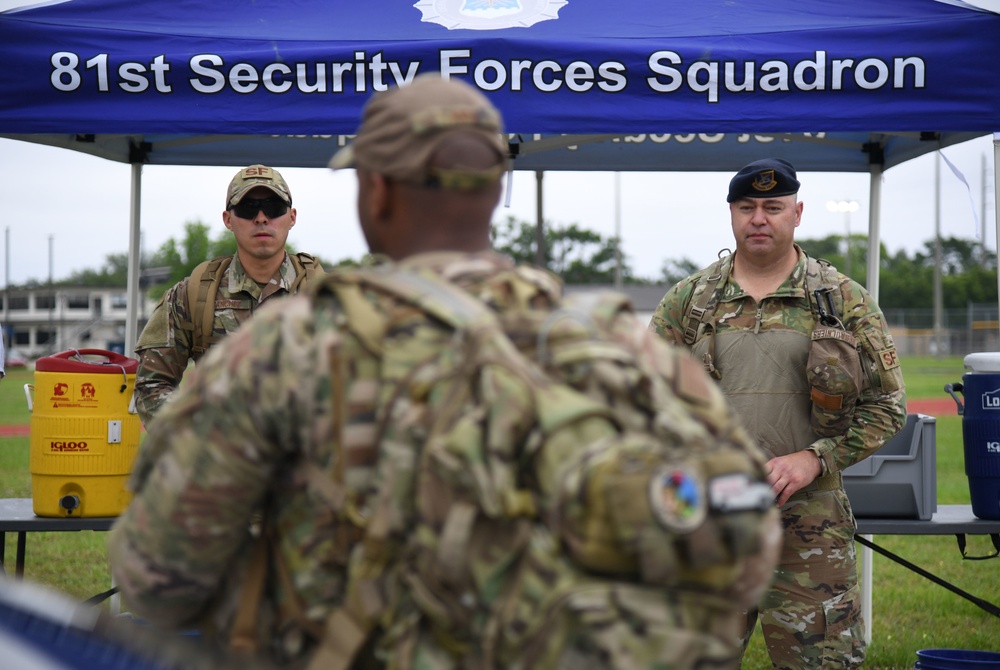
x: 253, y: 176
x: 767, y: 178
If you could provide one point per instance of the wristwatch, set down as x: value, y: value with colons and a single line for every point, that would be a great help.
x: 822, y: 463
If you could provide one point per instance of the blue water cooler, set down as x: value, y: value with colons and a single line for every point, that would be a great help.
x: 981, y: 430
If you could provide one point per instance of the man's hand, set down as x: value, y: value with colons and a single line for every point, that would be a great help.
x: 788, y: 474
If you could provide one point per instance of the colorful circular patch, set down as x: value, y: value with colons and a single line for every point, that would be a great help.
x: 677, y: 498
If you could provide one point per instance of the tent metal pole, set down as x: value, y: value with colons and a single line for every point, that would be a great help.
x: 874, y: 230
x: 996, y: 197
x: 540, y: 251
x: 872, y: 284
x: 132, y: 283
x: 618, y: 231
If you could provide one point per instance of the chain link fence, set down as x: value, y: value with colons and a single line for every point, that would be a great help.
x: 962, y: 331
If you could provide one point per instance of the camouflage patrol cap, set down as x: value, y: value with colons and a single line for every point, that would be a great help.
x: 253, y: 176
x: 766, y: 178
x: 402, y: 127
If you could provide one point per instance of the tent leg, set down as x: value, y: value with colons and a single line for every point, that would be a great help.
x: 132, y: 284
x: 540, y: 250
x: 872, y: 281
x: 996, y: 195
x: 866, y: 589
x: 874, y: 230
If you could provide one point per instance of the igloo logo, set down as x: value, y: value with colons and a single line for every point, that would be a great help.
x: 488, y: 14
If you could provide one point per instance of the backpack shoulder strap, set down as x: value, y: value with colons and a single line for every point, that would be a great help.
x: 203, y: 284
x: 704, y: 309
x: 363, y: 319
x: 451, y: 305
x: 441, y: 299
x: 349, y: 626
x: 305, y: 269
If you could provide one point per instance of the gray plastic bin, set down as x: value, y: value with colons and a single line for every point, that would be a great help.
x: 899, y: 481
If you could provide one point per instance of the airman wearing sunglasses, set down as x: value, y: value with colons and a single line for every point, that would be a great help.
x: 222, y: 293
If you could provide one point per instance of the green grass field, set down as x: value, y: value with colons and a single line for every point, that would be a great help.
x: 909, y: 611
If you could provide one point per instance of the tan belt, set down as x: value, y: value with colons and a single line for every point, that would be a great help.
x: 829, y: 482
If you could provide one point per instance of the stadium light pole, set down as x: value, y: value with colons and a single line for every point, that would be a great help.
x: 847, y: 207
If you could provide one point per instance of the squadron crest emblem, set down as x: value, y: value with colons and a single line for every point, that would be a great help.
x: 488, y: 14
x: 765, y: 181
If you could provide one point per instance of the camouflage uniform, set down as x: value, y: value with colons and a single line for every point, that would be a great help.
x: 811, y: 616
x: 165, y: 344
x: 181, y: 550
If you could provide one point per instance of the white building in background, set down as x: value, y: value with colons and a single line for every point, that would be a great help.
x: 46, y: 320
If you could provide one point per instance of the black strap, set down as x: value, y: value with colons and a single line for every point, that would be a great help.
x: 983, y: 604
x: 704, y: 310
x: 101, y: 597
x: 961, y: 547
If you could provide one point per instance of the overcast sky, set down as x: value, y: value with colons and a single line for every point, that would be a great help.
x: 77, y: 207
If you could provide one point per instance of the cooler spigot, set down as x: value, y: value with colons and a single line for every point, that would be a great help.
x: 69, y: 503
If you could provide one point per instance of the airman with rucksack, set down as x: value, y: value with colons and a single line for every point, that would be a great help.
x: 456, y: 466
x: 222, y: 293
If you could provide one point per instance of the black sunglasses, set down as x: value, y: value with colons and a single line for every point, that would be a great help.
x: 247, y: 208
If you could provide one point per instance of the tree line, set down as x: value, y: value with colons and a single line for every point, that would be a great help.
x: 581, y: 256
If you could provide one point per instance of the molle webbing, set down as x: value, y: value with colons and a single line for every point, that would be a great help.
x: 704, y: 310
x: 819, y: 277
x: 204, y: 284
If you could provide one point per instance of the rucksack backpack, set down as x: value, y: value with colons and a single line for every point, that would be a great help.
x: 203, y: 286
x: 553, y: 489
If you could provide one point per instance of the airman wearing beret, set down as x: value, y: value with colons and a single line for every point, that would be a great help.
x: 806, y: 358
x: 767, y: 178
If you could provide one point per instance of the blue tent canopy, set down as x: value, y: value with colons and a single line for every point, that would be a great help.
x: 695, y: 152
x: 195, y: 83
x: 854, y: 85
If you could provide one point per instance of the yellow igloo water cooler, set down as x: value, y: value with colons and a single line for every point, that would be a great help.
x: 84, y: 433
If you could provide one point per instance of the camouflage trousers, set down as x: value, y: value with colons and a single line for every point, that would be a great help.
x: 811, y: 615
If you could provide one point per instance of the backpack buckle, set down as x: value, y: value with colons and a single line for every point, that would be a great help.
x: 827, y: 312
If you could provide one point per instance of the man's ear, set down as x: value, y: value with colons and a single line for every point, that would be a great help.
x: 381, y: 202
x: 373, y: 195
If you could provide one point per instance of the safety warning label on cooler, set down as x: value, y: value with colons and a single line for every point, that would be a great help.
x: 73, y: 395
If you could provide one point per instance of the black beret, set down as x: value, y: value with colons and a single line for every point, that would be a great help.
x: 766, y: 178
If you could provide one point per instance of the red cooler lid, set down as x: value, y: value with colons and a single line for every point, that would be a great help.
x: 89, y: 361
